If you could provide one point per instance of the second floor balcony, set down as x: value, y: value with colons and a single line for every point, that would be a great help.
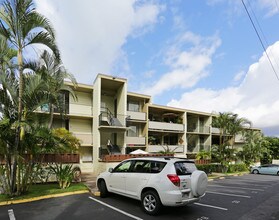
x: 165, y: 126
x: 139, y: 116
x: 135, y: 141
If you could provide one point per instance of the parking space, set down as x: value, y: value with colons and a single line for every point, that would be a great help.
x: 229, y: 198
x: 246, y: 197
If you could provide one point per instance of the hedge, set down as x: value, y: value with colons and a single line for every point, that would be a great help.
x: 217, y: 168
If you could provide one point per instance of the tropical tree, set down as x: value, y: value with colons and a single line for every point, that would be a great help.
x: 21, y: 26
x: 6, y: 56
x: 53, y: 74
x: 229, y: 125
x: 254, y: 147
x: 272, y: 144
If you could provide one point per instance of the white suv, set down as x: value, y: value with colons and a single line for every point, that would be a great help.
x: 155, y: 181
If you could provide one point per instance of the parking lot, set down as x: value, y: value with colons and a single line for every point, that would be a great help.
x: 241, y: 197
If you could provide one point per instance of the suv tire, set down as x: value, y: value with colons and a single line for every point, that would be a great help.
x: 150, y: 202
x: 198, y: 183
x: 103, y: 189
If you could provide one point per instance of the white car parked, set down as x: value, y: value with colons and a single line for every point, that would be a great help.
x: 155, y: 181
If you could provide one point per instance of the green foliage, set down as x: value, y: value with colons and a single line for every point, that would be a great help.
x: 64, y: 174
x: 229, y: 125
x: 218, y: 168
x: 254, y: 147
x: 203, y: 155
x: 272, y: 144
x: 233, y: 168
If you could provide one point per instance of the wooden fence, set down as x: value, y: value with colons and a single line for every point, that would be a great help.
x: 50, y: 158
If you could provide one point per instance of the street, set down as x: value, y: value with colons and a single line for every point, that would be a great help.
x: 241, y: 197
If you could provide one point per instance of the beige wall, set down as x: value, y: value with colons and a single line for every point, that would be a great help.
x: 82, y: 105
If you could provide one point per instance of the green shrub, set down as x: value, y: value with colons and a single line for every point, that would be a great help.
x: 237, y: 168
x: 217, y: 168
x: 64, y: 174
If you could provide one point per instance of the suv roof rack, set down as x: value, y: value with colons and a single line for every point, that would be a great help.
x: 173, y: 157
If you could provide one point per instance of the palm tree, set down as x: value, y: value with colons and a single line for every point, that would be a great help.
x: 54, y: 74
x: 22, y: 27
x: 6, y: 56
x: 254, y: 147
x: 229, y: 125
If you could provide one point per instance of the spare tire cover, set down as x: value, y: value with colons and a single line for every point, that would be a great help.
x: 198, y: 183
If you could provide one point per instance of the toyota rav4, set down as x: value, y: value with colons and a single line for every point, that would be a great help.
x: 155, y: 181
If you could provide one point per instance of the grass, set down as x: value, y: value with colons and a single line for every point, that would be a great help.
x: 38, y: 190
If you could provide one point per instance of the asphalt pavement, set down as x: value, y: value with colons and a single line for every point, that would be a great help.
x: 248, y: 197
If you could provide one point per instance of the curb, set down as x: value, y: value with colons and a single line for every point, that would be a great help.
x: 43, y: 197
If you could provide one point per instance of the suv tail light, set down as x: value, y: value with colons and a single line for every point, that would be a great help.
x: 174, y: 179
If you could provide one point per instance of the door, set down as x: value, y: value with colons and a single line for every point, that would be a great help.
x: 138, y: 178
x: 117, y: 179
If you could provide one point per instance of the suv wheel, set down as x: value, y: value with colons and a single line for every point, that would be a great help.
x: 103, y: 189
x: 151, y: 202
x: 255, y: 172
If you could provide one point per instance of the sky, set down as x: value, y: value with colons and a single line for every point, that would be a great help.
x: 201, y: 55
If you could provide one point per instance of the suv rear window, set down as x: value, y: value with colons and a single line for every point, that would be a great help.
x: 184, y: 167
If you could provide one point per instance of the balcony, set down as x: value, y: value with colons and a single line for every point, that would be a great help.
x: 135, y: 141
x: 85, y: 138
x: 141, y: 116
x: 163, y: 126
x: 171, y: 148
x: 201, y: 130
x: 81, y: 110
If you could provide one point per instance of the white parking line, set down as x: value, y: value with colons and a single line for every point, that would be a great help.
x: 228, y: 194
x: 211, y: 206
x: 233, y: 187
x: 116, y: 209
x: 11, y: 214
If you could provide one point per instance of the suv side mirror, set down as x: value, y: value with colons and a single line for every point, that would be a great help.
x: 110, y: 170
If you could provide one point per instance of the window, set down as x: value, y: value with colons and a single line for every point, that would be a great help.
x: 143, y: 166
x: 132, y: 131
x: 133, y: 106
x: 123, y: 167
x: 184, y: 168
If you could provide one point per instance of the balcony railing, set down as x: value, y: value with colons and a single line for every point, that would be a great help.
x: 155, y: 125
x: 141, y: 116
x: 108, y: 119
x: 171, y: 148
x: 198, y: 147
x: 201, y: 129
x: 135, y: 140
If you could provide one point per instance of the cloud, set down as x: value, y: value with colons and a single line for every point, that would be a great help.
x: 272, y: 6
x: 187, y: 58
x: 256, y: 98
x: 91, y: 33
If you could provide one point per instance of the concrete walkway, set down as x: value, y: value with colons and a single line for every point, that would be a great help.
x: 89, y: 180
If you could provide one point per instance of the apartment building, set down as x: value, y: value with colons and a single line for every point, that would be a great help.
x: 109, y: 120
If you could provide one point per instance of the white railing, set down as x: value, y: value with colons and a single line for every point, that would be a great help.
x: 135, y: 140
x: 85, y: 138
x: 137, y: 115
x: 165, y: 126
x: 171, y: 148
